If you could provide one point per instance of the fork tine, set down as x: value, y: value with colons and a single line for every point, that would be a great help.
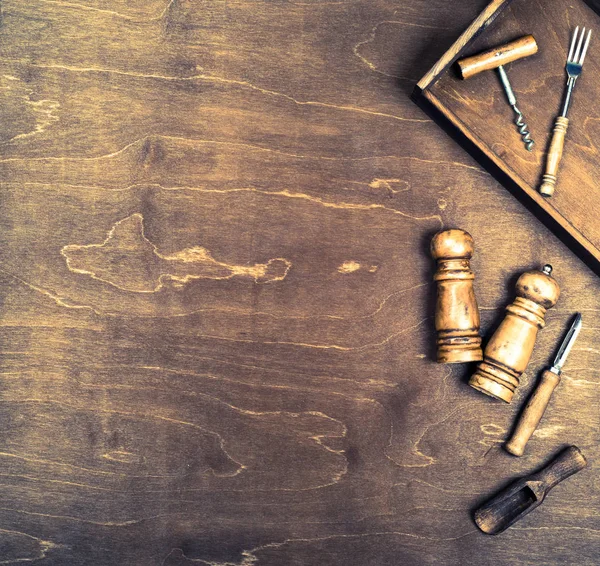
x: 573, y: 42
x: 587, y: 42
x: 579, y: 45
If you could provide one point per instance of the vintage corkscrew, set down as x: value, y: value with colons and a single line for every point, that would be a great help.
x: 496, y: 58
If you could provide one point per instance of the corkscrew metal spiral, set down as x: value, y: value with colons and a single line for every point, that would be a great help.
x: 523, y: 129
x: 512, y: 100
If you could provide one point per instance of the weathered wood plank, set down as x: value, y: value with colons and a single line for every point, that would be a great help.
x: 217, y: 305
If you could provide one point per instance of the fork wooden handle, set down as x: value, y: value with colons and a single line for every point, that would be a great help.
x: 533, y: 413
x: 554, y: 156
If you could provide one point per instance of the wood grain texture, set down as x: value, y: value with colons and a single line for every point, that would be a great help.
x: 217, y: 307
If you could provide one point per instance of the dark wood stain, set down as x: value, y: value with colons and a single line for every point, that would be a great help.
x: 217, y: 308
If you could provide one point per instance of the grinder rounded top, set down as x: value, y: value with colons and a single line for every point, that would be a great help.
x: 539, y: 286
x: 452, y: 244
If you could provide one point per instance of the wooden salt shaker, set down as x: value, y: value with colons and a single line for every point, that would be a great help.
x: 509, y: 350
x: 456, y: 315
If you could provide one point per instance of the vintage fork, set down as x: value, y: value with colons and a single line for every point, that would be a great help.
x: 575, y: 58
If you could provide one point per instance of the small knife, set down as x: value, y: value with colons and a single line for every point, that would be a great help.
x: 534, y: 410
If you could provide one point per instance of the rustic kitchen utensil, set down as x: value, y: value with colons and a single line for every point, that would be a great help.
x: 575, y: 59
x: 463, y: 109
x: 507, y: 354
x: 496, y: 58
x: 534, y: 410
x: 527, y: 493
x: 457, y: 314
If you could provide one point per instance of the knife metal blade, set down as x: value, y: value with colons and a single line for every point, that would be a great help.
x: 567, y: 344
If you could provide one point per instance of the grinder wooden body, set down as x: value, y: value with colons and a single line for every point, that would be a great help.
x: 456, y: 315
x: 496, y: 58
x: 509, y: 350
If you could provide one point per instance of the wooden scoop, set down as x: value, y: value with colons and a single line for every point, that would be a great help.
x: 526, y: 494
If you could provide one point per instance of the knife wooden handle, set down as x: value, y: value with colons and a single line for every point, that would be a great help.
x: 554, y: 156
x: 533, y: 412
x: 568, y: 462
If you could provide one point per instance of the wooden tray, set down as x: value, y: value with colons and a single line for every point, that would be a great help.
x: 476, y: 113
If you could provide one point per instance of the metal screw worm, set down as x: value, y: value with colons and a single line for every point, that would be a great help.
x: 512, y: 100
x: 523, y: 129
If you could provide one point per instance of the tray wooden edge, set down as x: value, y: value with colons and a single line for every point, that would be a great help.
x: 478, y: 26
x: 533, y: 201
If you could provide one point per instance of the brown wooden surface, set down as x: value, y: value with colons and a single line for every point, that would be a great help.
x: 479, y: 107
x: 217, y: 295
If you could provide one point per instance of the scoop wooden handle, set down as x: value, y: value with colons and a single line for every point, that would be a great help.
x: 533, y: 412
x: 568, y: 462
x: 501, y: 55
x: 554, y: 156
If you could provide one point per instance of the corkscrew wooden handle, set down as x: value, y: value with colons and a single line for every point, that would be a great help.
x: 554, y: 156
x: 533, y: 413
x: 501, y: 55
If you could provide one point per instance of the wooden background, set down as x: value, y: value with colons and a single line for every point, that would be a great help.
x: 216, y: 306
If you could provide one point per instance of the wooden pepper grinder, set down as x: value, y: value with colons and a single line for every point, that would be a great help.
x: 507, y: 353
x: 456, y: 315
